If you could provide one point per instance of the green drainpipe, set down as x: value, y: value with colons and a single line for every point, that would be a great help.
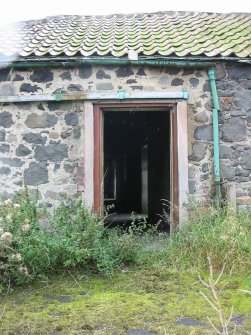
x: 216, y: 109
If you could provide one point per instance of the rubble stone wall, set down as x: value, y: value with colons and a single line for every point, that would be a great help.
x: 42, y: 143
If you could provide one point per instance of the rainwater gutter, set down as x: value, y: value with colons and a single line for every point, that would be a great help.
x: 64, y: 62
x: 216, y: 108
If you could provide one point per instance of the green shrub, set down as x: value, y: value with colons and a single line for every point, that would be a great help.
x: 85, y: 241
x: 36, y: 245
x: 14, y: 227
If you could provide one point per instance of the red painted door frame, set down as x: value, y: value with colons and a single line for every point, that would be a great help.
x: 98, y: 147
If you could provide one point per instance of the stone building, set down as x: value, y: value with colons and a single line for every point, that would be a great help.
x: 118, y: 110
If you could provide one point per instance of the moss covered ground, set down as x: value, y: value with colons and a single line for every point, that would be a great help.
x: 133, y: 301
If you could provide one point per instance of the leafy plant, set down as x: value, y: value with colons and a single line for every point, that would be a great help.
x: 13, y: 228
x: 34, y: 245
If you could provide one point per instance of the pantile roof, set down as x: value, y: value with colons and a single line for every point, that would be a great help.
x: 165, y: 34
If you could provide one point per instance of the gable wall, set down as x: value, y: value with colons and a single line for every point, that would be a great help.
x: 42, y: 143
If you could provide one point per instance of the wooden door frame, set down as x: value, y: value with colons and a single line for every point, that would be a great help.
x: 98, y: 110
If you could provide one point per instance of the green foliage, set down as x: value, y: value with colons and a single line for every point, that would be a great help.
x: 224, y: 236
x: 42, y: 244
x: 35, y: 244
x: 14, y: 227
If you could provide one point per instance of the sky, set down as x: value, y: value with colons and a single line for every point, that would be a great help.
x: 19, y: 10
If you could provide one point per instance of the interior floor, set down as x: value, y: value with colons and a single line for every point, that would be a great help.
x: 136, y: 166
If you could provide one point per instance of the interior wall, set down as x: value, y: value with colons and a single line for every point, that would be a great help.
x: 159, y: 164
x: 125, y: 136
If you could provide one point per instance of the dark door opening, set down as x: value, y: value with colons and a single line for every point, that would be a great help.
x: 137, y: 165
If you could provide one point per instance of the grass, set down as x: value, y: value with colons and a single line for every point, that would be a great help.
x: 224, y: 236
x: 134, y: 298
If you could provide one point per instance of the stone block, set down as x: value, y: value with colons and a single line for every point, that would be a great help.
x: 2, y: 136
x: 141, y: 72
x: 191, y: 172
x: 194, y: 82
x: 234, y: 130
x: 71, y: 119
x: 34, y: 138
x: 36, y: 174
x: 240, y: 172
x: 177, y: 82
x: 243, y: 201
x: 131, y: 81
x: 204, y: 167
x: 124, y: 72
x: 137, y: 87
x: 188, y: 71
x: 247, y: 84
x: 42, y: 76
x: 85, y: 71
x: 22, y: 150
x: 18, y: 77
x: 4, y: 148
x: 209, y: 105
x: 55, y: 152
x: 65, y: 75
x: 248, y: 116
x: 6, y: 90
x: 239, y: 72
x: 66, y: 133
x: 54, y: 195
x: 54, y: 135
x: 5, y: 170
x: 6, y: 119
x: 220, y: 71
x: 199, y: 151
x: 246, y: 159
x: 242, y: 99
x: 5, y: 74
x: 172, y: 70
x: 69, y: 167
x: 104, y: 86
x: 238, y: 112
x: 76, y: 132
x: 201, y: 117
x: 28, y: 88
x: 44, y: 120
x: 13, y: 162
x: 75, y: 88
x: 101, y: 74
x: 11, y: 138
x: 204, y: 133
x: 227, y: 172
x: 163, y: 81
x: 225, y: 152
x: 191, y: 186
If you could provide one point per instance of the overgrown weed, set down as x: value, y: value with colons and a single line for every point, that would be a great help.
x: 74, y: 237
x: 224, y: 236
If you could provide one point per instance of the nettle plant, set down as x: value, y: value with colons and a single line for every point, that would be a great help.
x: 13, y: 227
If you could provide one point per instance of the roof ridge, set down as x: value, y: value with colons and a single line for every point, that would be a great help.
x: 133, y: 14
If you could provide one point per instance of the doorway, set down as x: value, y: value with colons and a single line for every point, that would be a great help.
x: 136, y: 164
